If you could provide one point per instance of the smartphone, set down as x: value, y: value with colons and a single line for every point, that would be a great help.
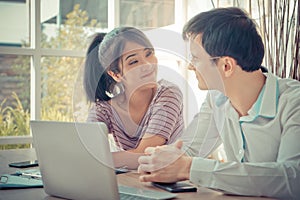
x: 176, y: 187
x: 24, y: 164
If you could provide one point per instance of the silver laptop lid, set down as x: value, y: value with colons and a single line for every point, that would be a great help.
x: 75, y: 159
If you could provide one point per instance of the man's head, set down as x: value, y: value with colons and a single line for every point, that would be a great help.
x: 228, y: 32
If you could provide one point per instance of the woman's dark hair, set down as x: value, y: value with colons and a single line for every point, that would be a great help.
x: 92, y: 69
x: 104, y: 54
x: 228, y: 32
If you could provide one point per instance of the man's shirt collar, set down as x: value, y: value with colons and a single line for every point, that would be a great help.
x: 267, y: 101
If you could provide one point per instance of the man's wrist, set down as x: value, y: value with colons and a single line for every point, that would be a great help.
x: 187, y: 162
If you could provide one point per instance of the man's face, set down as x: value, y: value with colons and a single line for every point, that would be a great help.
x: 205, y: 67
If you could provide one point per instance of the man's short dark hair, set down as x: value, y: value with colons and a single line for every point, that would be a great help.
x: 228, y: 32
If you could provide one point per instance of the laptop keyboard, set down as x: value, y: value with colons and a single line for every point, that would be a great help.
x: 137, y: 193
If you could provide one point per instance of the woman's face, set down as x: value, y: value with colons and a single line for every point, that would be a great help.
x: 138, y: 66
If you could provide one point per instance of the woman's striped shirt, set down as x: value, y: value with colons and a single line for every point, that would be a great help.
x: 164, y: 117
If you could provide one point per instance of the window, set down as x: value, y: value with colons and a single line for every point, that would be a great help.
x: 147, y: 14
x: 41, y: 41
x: 66, y: 24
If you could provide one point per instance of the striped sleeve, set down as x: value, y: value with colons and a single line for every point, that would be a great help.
x: 166, y: 116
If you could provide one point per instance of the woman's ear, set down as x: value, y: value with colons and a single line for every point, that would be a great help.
x: 115, y: 76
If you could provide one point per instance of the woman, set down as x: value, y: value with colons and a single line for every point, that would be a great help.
x: 120, y: 81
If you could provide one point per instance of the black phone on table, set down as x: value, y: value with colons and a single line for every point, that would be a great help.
x: 176, y: 187
x: 24, y: 164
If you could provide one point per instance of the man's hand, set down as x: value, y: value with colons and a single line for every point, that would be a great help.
x: 164, y: 164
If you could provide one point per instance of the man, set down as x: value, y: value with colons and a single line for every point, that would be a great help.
x: 255, y: 115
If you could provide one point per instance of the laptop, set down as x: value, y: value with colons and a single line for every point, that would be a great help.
x: 76, y: 163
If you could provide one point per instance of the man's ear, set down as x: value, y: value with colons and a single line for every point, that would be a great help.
x: 228, y: 66
x: 115, y: 76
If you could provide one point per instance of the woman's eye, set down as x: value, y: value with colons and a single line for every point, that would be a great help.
x: 149, y: 53
x: 132, y: 62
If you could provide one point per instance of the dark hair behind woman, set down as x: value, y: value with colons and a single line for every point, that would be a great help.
x: 93, y: 70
